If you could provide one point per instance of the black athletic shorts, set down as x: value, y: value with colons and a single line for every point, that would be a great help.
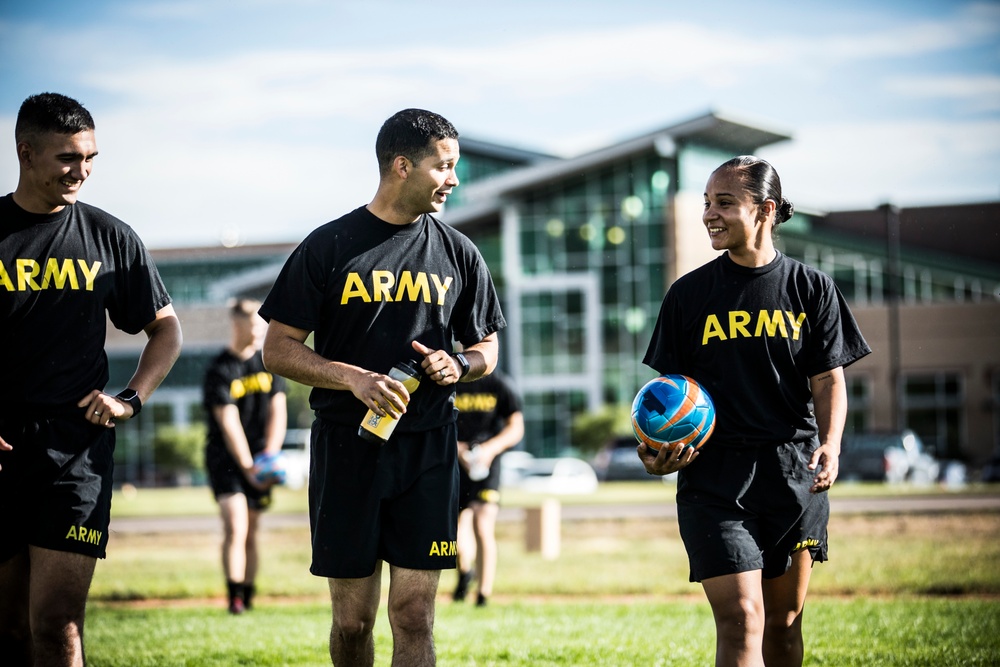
x: 749, y: 508
x: 55, y: 485
x: 226, y: 478
x: 396, y: 502
x: 486, y: 490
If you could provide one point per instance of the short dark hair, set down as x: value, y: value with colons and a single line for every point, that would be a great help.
x: 762, y: 182
x: 48, y: 113
x: 410, y: 133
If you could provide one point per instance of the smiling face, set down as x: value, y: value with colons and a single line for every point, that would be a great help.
x: 734, y: 222
x: 430, y: 180
x: 53, y: 169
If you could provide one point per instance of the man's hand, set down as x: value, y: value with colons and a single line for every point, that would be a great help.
x: 826, y: 458
x: 383, y: 395
x: 4, y: 447
x: 103, y: 409
x: 666, y: 460
x: 439, y: 365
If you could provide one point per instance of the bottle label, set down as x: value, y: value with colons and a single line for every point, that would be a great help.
x: 379, y: 425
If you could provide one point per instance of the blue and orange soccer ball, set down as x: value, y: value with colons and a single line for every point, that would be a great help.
x: 270, y: 468
x: 673, y: 411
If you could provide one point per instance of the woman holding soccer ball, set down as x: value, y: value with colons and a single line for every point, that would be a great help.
x: 768, y: 338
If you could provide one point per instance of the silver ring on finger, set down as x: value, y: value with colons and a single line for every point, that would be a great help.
x: 97, y: 412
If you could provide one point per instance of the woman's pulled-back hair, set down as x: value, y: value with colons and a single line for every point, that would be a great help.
x: 762, y: 182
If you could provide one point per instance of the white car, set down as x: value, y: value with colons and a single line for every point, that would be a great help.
x: 893, y: 457
x: 564, y: 475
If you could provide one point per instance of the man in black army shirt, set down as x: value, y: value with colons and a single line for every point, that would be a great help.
x: 65, y: 267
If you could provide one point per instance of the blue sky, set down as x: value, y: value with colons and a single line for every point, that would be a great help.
x: 256, y: 120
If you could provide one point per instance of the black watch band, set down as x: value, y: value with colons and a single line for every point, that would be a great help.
x: 464, y: 363
x: 130, y: 396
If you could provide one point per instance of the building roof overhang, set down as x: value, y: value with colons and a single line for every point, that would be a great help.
x: 486, y: 198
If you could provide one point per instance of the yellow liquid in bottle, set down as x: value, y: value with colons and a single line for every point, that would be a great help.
x: 378, y: 428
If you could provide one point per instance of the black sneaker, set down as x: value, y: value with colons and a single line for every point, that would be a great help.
x: 249, y: 590
x: 235, y: 590
x: 462, y: 588
x: 481, y: 600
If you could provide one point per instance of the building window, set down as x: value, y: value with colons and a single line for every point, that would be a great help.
x: 859, y: 404
x: 548, y: 420
x: 933, y: 406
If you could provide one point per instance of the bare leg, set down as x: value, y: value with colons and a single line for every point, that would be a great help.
x: 59, y: 584
x: 465, y: 546
x: 784, y: 601
x: 411, y: 616
x: 252, y: 554
x: 486, y: 544
x: 465, y: 542
x: 235, y: 526
x: 738, y: 606
x: 355, y: 603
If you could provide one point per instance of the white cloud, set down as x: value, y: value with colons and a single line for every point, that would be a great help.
x: 194, y: 142
x: 848, y: 165
x: 979, y: 93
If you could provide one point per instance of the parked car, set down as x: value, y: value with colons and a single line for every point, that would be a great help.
x: 618, y: 461
x: 890, y: 457
x: 295, y: 452
x: 563, y: 475
x: 991, y: 471
x: 514, y: 466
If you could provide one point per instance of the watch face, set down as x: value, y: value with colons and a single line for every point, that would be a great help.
x: 131, y: 396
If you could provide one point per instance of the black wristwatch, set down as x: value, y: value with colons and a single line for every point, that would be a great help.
x: 464, y: 363
x: 130, y: 396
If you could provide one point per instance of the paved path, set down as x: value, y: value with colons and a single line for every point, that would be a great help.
x: 896, y: 505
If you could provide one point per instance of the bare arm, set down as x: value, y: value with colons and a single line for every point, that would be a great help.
x: 285, y: 353
x: 277, y: 423
x: 829, y: 392
x: 163, y: 345
x: 233, y: 435
x: 511, y: 434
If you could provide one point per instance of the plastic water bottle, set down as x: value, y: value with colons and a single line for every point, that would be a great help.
x: 377, y: 428
x: 477, y: 471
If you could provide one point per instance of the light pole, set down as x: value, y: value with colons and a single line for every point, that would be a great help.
x: 892, y: 252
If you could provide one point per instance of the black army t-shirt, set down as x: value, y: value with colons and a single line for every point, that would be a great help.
x: 246, y: 384
x: 484, y: 407
x: 753, y: 337
x: 59, y: 275
x: 368, y: 288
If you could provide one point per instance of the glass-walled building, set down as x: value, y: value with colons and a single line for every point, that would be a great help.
x: 582, y: 251
x: 588, y: 246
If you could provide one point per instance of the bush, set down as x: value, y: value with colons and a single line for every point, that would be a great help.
x: 591, y: 430
x: 180, y: 449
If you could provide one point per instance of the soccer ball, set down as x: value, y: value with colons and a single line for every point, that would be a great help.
x: 270, y: 468
x: 672, y: 410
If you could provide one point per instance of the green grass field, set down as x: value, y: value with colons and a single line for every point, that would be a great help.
x: 914, y: 590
